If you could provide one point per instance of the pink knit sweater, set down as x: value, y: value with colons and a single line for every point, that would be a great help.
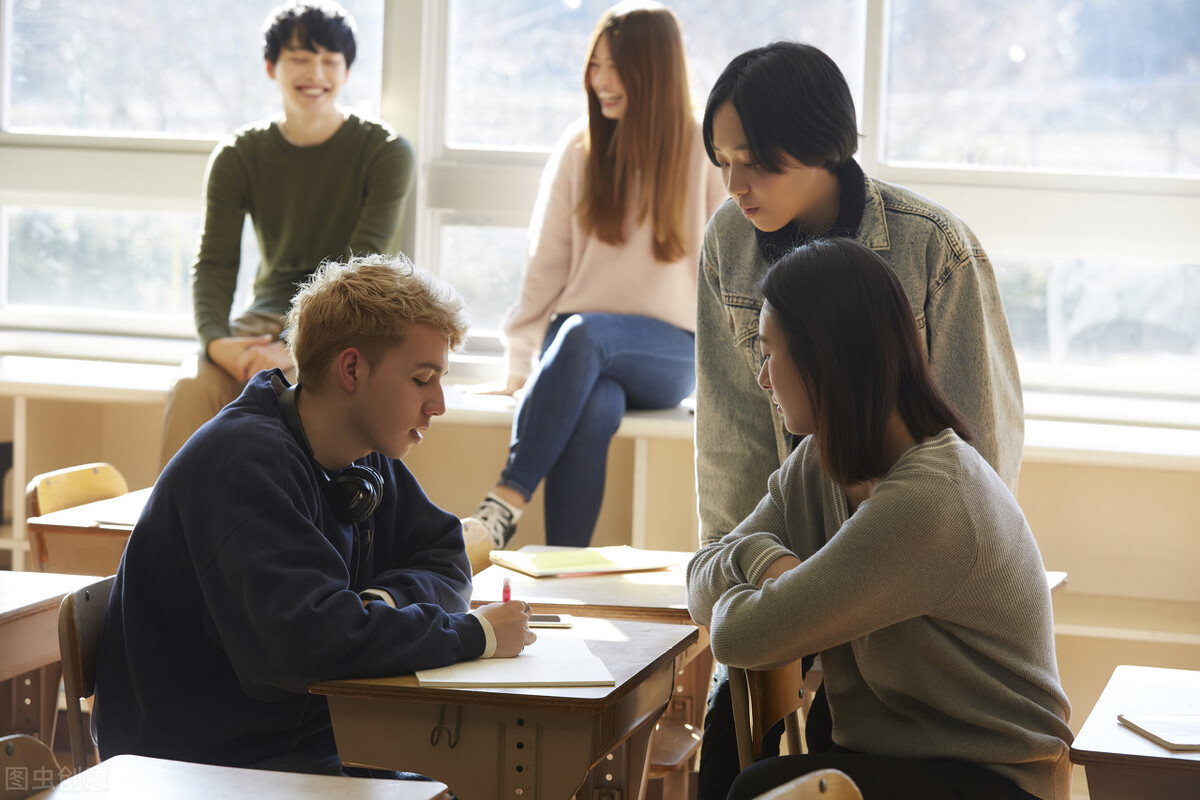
x: 570, y: 272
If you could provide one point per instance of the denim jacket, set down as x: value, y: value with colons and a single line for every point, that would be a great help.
x: 740, y: 441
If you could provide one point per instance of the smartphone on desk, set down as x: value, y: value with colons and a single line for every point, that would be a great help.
x: 550, y: 620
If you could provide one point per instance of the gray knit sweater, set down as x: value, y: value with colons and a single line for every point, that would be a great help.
x: 928, y: 605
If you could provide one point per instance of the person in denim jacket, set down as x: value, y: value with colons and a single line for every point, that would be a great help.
x: 781, y: 125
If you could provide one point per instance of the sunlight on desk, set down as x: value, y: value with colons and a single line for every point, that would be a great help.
x: 659, y: 577
x: 602, y: 630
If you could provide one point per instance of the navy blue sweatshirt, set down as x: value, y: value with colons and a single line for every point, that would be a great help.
x: 237, y: 590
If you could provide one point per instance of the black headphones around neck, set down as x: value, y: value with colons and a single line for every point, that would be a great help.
x: 354, y: 492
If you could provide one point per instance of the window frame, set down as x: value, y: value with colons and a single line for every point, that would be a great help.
x: 1045, y: 213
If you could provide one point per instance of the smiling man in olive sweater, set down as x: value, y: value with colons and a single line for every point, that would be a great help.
x: 319, y: 183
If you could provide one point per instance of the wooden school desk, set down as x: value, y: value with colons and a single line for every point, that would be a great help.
x: 29, y: 646
x: 655, y: 596
x: 128, y: 777
x: 1120, y: 763
x: 527, y: 743
x: 93, y: 533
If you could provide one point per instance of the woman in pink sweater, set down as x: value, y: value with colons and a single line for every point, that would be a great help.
x: 606, y: 316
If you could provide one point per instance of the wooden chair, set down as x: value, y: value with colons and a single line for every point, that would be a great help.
x: 825, y: 784
x: 80, y: 622
x: 761, y: 698
x: 27, y: 766
x: 676, y: 738
x: 90, y: 554
x: 672, y: 746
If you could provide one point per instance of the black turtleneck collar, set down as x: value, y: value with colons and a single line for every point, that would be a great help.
x: 852, y: 200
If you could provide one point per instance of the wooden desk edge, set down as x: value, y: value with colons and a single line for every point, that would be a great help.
x: 1168, y: 760
x: 1101, y: 726
x: 95, y: 529
x: 406, y: 687
x: 676, y: 616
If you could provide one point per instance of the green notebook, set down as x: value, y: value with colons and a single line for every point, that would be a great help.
x: 581, y: 560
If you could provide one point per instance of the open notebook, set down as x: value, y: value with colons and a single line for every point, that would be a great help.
x: 581, y: 560
x: 550, y: 661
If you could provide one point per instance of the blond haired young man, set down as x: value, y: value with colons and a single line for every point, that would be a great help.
x: 286, y: 542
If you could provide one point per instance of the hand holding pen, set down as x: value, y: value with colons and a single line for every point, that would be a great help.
x: 510, y: 623
x: 506, y: 595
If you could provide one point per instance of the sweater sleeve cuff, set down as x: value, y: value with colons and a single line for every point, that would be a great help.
x: 377, y: 594
x: 209, y: 332
x: 763, y: 559
x: 489, y: 635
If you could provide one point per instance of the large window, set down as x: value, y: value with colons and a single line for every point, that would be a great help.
x: 109, y: 111
x: 1065, y: 132
x: 514, y: 80
x: 1096, y: 104
x: 514, y: 68
x: 149, y: 68
x: 1091, y: 86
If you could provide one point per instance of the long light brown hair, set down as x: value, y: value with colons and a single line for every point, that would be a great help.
x: 648, y: 149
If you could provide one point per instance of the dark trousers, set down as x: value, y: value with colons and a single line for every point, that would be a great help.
x: 719, y: 763
x: 878, y: 777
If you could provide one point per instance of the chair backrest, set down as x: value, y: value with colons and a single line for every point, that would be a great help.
x: 80, y: 623
x: 27, y: 766
x: 65, y: 488
x: 763, y: 697
x: 825, y: 784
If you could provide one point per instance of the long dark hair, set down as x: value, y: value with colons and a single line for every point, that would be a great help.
x: 851, y: 333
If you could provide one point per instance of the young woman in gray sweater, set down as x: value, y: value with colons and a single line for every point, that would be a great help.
x: 887, y: 544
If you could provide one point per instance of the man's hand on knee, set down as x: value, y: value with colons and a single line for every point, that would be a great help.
x: 265, y: 355
x: 227, y: 351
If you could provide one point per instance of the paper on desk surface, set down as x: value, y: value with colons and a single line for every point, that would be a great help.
x: 581, y: 560
x: 550, y: 661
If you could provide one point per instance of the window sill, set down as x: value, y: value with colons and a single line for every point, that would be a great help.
x: 1152, y: 433
x: 1059, y: 428
x: 1058, y: 441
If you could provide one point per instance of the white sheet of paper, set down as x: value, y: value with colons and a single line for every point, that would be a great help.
x: 550, y: 661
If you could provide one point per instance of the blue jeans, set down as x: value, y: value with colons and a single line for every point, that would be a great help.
x: 593, y: 367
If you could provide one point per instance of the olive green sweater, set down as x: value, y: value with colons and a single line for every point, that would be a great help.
x: 929, y: 607
x: 307, y: 204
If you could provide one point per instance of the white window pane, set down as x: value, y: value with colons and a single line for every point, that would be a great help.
x: 149, y: 67
x: 100, y: 261
x: 105, y: 270
x: 515, y: 67
x: 483, y: 262
x: 1087, y: 85
x: 1112, y: 316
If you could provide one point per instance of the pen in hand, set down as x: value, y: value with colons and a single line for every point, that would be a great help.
x: 506, y: 592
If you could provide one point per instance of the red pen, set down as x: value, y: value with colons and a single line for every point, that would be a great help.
x: 506, y: 592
